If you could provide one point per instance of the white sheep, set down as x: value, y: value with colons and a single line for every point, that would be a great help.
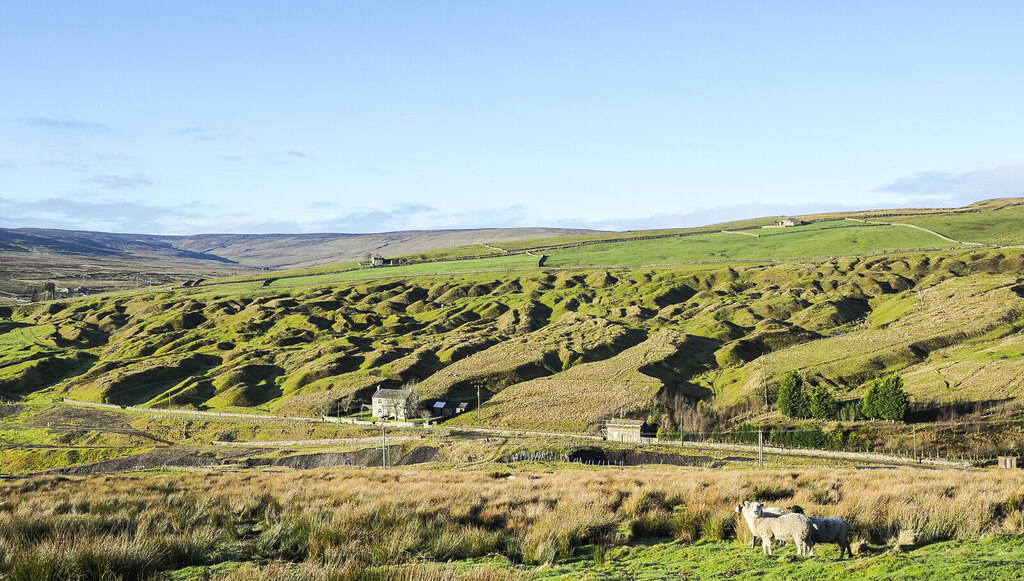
x: 792, y: 526
x: 769, y: 512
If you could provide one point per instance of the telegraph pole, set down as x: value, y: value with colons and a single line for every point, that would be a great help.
x: 383, y: 446
x: 764, y: 380
x: 478, y: 403
x: 760, y: 448
x: 914, y: 428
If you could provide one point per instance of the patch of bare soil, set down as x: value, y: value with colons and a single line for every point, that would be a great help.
x: 8, y: 410
x: 66, y: 415
x: 635, y: 458
x: 369, y: 457
x: 186, y: 457
x: 174, y: 457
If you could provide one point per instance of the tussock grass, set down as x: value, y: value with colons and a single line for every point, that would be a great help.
x: 347, y: 524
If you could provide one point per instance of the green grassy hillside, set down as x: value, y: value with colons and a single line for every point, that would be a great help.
x: 559, y: 348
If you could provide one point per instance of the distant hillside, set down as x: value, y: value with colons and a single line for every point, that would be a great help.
x: 279, y: 251
x: 95, y: 262
x: 641, y: 324
x: 31, y: 259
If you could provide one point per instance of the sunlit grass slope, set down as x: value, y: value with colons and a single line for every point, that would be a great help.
x: 561, y: 348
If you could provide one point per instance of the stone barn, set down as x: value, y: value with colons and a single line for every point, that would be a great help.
x: 623, y: 430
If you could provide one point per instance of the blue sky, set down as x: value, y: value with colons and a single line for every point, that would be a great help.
x: 188, y: 117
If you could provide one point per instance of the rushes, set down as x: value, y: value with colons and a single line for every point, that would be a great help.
x: 367, y: 524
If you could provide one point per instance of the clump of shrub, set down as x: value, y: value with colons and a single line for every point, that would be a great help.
x: 885, y: 399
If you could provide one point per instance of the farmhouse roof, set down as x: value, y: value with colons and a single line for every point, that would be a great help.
x: 390, y: 394
x: 625, y: 422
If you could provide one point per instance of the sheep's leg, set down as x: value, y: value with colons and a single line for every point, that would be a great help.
x: 766, y: 545
x: 801, y: 546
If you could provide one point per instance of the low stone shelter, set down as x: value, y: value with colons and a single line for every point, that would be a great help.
x: 623, y: 430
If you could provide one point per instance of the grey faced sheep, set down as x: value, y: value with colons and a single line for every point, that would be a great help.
x: 787, y: 527
x: 829, y: 530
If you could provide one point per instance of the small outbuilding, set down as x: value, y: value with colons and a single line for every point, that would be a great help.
x: 392, y: 404
x: 447, y: 409
x: 1008, y: 462
x: 623, y: 430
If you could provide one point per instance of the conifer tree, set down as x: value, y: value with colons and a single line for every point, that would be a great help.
x: 885, y: 399
x: 869, y: 405
x: 793, y: 401
x: 893, y: 402
x: 823, y: 405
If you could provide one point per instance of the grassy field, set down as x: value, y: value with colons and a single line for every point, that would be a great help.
x: 560, y: 348
x: 800, y: 242
x: 580, y: 338
x: 1003, y: 226
x: 833, y: 238
x: 513, y: 262
x: 998, y: 557
x: 482, y: 524
x: 38, y: 437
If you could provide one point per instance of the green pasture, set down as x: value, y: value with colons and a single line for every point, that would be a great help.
x: 832, y: 238
x: 1004, y: 226
x: 999, y: 557
x: 512, y: 262
x: 801, y: 242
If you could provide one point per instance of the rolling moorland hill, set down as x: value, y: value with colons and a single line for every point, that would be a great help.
x: 92, y: 262
x: 645, y: 327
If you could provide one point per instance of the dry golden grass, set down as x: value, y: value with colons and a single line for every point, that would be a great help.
x: 363, y: 523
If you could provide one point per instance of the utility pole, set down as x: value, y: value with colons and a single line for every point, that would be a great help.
x: 914, y: 428
x: 478, y: 403
x: 383, y: 446
x: 761, y: 448
x: 764, y: 379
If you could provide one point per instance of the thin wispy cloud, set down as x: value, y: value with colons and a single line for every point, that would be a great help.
x: 121, y: 183
x: 1000, y: 182
x: 66, y: 126
x: 324, y: 206
x: 695, y: 217
x: 199, y: 133
x: 282, y: 158
x: 101, y: 215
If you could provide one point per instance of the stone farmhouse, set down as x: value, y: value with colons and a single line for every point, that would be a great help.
x: 398, y: 404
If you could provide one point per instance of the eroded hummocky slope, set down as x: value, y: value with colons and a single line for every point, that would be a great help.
x: 578, y: 398
x: 562, y: 348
